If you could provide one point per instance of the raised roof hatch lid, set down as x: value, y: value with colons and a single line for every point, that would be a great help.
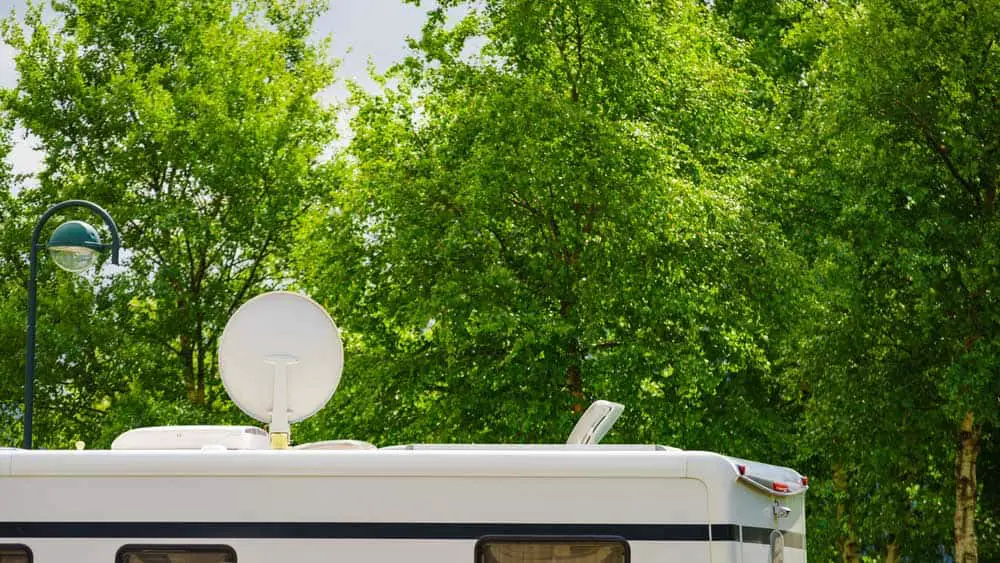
x: 192, y: 438
x: 595, y: 422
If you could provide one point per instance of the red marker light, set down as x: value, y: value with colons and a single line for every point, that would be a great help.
x: 742, y: 469
x: 780, y: 487
x: 805, y: 481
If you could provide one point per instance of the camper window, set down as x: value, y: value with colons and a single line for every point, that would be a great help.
x: 547, y: 550
x: 14, y: 554
x: 175, y: 554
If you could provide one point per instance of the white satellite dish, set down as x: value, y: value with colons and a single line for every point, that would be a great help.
x: 280, y: 357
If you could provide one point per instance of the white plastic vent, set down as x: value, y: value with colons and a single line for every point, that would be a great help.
x: 193, y: 438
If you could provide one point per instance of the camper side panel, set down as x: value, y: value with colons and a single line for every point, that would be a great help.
x: 319, y: 519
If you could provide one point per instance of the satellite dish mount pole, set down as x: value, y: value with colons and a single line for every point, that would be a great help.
x: 279, y: 427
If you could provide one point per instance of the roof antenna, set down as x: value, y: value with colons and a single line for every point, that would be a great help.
x: 280, y: 358
x: 595, y: 422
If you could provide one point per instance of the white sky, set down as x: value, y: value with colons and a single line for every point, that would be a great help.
x: 359, y: 29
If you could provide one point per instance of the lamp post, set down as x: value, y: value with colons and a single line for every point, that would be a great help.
x: 74, y: 247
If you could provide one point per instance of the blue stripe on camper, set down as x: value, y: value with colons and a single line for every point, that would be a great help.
x: 725, y: 532
x: 388, y: 530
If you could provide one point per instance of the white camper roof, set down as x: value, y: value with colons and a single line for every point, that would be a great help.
x: 430, y: 460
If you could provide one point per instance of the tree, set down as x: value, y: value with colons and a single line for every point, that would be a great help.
x: 197, y: 125
x: 70, y: 337
x: 873, y: 434
x: 904, y: 96
x: 9, y: 398
x: 545, y: 223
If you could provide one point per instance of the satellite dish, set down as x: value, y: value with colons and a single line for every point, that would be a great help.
x: 280, y: 357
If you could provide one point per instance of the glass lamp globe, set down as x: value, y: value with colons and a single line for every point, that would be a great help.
x: 74, y: 246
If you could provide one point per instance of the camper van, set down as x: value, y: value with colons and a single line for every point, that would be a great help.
x: 219, y: 494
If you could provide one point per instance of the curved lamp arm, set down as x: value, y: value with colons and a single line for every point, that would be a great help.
x: 29, y: 365
x: 108, y: 221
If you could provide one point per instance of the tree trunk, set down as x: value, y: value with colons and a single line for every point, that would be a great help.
x: 201, y: 352
x: 849, y: 550
x: 575, y: 384
x: 574, y: 379
x: 187, y: 361
x: 892, y: 553
x: 965, y: 491
x: 847, y: 542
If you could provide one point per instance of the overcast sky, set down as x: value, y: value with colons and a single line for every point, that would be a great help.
x: 359, y: 29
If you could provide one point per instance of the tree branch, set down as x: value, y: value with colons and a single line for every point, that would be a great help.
x: 941, y: 150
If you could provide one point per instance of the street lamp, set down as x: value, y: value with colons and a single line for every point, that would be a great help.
x: 74, y: 246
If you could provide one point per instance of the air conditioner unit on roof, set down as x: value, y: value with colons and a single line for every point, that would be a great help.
x: 192, y: 438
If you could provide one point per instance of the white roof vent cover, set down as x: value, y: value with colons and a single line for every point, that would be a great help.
x: 192, y: 438
x: 595, y: 422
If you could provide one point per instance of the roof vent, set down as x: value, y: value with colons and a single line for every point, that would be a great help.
x: 595, y: 422
x: 193, y: 438
x: 336, y: 445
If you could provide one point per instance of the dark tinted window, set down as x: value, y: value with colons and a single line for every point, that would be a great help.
x: 14, y: 554
x: 175, y: 554
x: 539, y: 550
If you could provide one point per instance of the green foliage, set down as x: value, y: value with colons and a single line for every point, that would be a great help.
x: 898, y: 161
x: 196, y: 125
x: 544, y: 224
x: 764, y: 24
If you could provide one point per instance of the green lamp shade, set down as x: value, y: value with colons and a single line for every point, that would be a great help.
x: 74, y: 246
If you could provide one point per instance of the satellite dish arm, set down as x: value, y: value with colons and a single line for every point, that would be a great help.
x: 279, y: 427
